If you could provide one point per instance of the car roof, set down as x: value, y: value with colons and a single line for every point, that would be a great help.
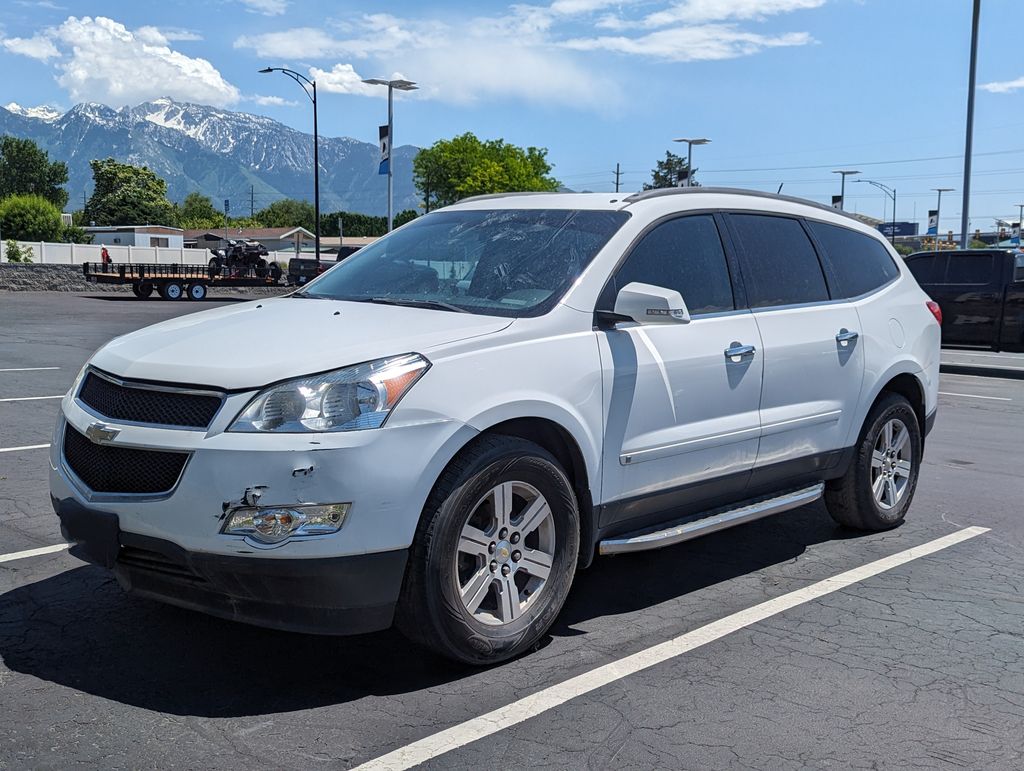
x: 969, y: 252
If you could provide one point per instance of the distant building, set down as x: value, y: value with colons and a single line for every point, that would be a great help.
x: 274, y: 239
x: 137, y: 235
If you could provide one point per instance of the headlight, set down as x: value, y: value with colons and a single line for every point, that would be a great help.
x: 344, y: 400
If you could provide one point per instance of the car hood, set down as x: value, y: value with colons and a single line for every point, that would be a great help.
x: 252, y: 344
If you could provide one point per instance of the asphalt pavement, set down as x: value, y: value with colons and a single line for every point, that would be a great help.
x: 785, y: 643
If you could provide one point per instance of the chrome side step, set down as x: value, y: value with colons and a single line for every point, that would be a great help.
x: 712, y: 522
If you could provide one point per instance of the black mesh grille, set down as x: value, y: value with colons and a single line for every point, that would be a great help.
x: 107, y: 469
x: 142, y: 405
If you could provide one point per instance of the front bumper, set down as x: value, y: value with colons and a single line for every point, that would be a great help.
x: 332, y: 595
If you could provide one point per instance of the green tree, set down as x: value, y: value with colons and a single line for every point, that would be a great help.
x: 127, y: 195
x: 197, y: 212
x: 406, y: 215
x: 25, y: 169
x: 671, y: 172
x: 15, y: 253
x: 29, y: 218
x: 463, y: 166
x: 288, y: 213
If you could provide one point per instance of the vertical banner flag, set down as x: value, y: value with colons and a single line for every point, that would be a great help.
x: 837, y: 202
x: 385, y: 150
x: 933, y: 222
x: 1016, y: 234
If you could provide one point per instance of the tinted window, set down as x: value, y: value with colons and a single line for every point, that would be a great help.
x: 684, y: 254
x: 928, y: 268
x: 970, y: 269
x: 501, y: 262
x: 859, y: 263
x: 780, y: 266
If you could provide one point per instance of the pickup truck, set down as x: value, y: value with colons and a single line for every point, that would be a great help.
x: 304, y: 269
x: 980, y: 292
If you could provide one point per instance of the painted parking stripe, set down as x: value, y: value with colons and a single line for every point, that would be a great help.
x: 25, y: 447
x: 969, y: 396
x: 30, y: 398
x: 530, y: 706
x: 20, y: 555
x: 26, y: 369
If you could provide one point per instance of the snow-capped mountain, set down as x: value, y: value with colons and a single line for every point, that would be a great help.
x: 249, y: 159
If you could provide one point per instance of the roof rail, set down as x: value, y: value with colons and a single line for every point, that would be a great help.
x: 505, y: 195
x: 665, y: 191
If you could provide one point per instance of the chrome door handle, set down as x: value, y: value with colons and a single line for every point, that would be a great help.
x: 736, y: 351
x: 845, y: 337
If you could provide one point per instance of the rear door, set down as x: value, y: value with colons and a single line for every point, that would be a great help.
x: 971, y: 298
x: 813, y: 357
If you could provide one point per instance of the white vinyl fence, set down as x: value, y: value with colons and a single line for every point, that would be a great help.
x: 47, y: 253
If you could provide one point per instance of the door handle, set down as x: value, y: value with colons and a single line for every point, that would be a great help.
x: 736, y: 351
x: 844, y: 337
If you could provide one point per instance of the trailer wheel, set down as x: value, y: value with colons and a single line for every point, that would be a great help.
x: 145, y: 289
x: 171, y: 291
x: 197, y: 291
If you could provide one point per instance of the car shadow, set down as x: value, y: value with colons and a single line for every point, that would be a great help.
x: 129, y: 297
x: 79, y: 630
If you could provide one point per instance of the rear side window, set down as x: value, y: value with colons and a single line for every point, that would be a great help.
x: 970, y: 269
x: 928, y: 268
x: 859, y: 263
x: 780, y: 266
x: 684, y: 254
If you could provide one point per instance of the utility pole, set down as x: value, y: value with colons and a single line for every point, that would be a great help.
x: 618, y: 176
x: 938, y: 212
x: 964, y: 238
x: 252, y: 201
x: 1020, y: 222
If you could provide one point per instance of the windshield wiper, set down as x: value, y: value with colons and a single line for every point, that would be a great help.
x: 415, y: 303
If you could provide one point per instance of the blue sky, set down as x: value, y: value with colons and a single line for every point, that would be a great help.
x: 786, y: 89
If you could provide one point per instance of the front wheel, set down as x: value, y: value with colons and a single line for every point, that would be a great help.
x: 877, y: 489
x: 494, y: 554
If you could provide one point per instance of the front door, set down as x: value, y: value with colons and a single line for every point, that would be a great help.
x: 682, y: 414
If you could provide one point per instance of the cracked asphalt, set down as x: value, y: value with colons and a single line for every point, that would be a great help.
x: 920, y: 666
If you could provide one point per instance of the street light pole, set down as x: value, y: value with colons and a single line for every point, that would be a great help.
x: 890, y: 192
x: 842, y: 186
x: 401, y: 85
x: 938, y: 212
x: 310, y: 92
x: 689, y: 156
x: 1020, y: 223
x: 964, y: 225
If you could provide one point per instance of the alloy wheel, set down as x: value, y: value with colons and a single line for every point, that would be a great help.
x: 891, y: 464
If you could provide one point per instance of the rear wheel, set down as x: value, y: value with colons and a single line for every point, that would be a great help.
x: 214, y: 267
x: 171, y: 291
x: 143, y: 290
x: 494, y: 555
x: 197, y: 291
x: 877, y: 489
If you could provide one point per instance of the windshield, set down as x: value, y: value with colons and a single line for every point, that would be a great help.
x: 504, y: 262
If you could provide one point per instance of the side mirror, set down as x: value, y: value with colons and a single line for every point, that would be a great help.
x: 649, y: 304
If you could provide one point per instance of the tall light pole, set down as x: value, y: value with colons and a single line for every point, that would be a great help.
x: 1020, y: 223
x: 309, y: 88
x: 964, y: 225
x: 401, y: 85
x: 842, y: 186
x: 689, y: 156
x: 891, y: 193
x: 938, y: 211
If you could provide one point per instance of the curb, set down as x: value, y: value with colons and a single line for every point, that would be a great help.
x: 980, y: 370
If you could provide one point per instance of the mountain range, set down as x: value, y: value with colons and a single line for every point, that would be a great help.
x: 248, y: 159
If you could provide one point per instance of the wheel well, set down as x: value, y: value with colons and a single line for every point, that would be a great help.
x: 909, y: 387
x: 560, y: 443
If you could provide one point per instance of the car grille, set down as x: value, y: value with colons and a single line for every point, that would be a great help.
x: 145, y: 405
x: 108, y: 469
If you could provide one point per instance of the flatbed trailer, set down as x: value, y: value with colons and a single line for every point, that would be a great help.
x: 172, y: 282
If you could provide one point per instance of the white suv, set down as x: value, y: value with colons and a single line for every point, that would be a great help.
x: 398, y: 443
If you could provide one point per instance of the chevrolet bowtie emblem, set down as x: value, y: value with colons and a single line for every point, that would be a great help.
x: 100, y: 433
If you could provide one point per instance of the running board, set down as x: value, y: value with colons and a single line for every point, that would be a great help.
x: 711, y: 522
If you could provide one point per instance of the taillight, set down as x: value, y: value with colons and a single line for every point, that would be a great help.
x: 936, y: 310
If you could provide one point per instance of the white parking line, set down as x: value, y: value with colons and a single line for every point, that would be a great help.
x: 25, y: 447
x: 30, y: 398
x: 20, y: 555
x: 530, y: 706
x: 969, y: 396
x: 26, y: 369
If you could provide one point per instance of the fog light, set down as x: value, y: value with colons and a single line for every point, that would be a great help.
x: 273, y: 524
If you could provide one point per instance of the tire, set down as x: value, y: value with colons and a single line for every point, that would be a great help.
x: 135, y: 290
x: 214, y: 267
x: 143, y: 290
x: 852, y: 500
x: 431, y: 610
x: 197, y: 291
x: 261, y: 269
x: 275, y: 272
x: 171, y: 291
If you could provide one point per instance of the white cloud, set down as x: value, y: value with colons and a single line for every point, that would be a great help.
x: 101, y: 60
x: 272, y: 101
x: 266, y: 7
x: 38, y: 47
x: 343, y: 79
x: 296, y: 43
x: 700, y: 11
x: 705, y: 42
x: 1004, y: 86
x: 161, y: 36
